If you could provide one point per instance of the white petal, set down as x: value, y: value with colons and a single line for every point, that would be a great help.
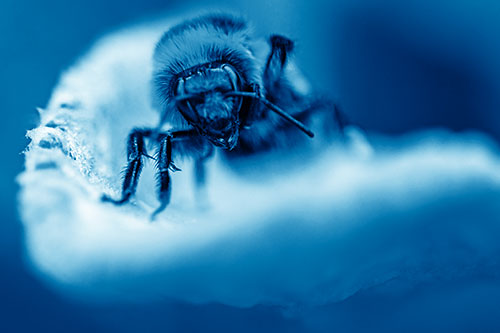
x: 316, y: 231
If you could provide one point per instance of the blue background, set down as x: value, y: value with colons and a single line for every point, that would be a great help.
x: 394, y: 66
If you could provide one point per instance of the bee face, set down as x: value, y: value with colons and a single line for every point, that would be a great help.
x: 203, y: 102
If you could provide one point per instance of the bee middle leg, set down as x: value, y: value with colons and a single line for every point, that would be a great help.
x: 280, y: 48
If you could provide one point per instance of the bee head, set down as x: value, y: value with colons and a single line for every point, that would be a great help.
x: 202, y: 98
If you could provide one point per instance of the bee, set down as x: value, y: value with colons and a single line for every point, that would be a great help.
x: 216, y: 86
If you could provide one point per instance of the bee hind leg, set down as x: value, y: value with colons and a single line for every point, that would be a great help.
x: 333, y: 118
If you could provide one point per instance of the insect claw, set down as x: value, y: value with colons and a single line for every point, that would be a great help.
x: 149, y: 156
x: 152, y: 218
x: 173, y: 168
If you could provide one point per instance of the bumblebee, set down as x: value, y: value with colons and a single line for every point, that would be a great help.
x: 216, y: 86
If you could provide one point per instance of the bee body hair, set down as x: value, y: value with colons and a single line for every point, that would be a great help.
x: 205, y: 39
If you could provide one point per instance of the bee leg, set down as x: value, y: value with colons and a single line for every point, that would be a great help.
x: 280, y: 47
x: 164, y: 163
x: 323, y: 107
x: 200, y: 175
x: 135, y: 152
x: 199, y: 167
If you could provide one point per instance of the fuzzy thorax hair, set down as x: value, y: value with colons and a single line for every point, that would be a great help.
x: 211, y: 38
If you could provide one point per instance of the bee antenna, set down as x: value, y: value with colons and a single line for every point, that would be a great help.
x: 186, y: 97
x: 274, y: 108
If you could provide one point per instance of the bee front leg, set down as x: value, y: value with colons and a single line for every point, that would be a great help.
x: 164, y: 163
x: 135, y: 152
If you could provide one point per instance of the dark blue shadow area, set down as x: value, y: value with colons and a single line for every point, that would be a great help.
x: 28, y: 306
x: 408, y: 65
x: 446, y: 306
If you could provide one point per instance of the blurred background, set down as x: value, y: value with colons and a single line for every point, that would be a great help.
x: 394, y: 66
